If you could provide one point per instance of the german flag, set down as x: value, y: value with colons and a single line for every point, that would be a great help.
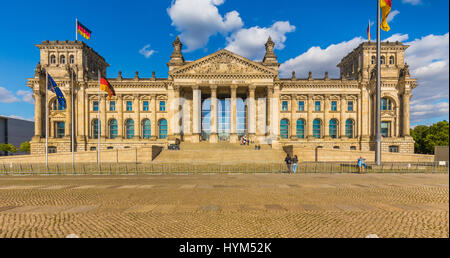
x: 85, y: 32
x: 105, y: 86
x: 385, y: 10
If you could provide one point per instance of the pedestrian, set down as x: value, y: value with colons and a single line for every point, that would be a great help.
x: 294, y: 164
x: 288, y: 161
x: 361, y: 164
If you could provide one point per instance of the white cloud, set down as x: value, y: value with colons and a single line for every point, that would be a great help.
x: 397, y: 37
x: 319, y: 60
x: 198, y: 20
x: 413, y: 2
x: 392, y: 15
x: 7, y: 96
x: 428, y: 58
x: 26, y: 96
x: 146, y: 51
x: 250, y: 42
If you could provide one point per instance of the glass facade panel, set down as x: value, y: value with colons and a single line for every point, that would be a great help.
x: 146, y: 129
x: 113, y: 129
x: 241, y: 113
x: 333, y: 128
x: 206, y: 119
x: 349, y: 128
x: 129, y: 106
x: 317, y: 105
x: 301, y: 128
x: 162, y: 129
x: 60, y: 129
x: 316, y: 128
x: 333, y: 106
x: 223, y: 119
x: 284, y: 129
x: 301, y: 106
x: 129, y: 126
x: 145, y: 106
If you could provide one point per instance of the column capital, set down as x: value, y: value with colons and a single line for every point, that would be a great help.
x: 213, y: 87
x: 251, y: 87
x: 233, y: 87
x: 195, y: 87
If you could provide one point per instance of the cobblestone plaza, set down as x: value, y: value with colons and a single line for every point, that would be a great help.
x: 238, y: 205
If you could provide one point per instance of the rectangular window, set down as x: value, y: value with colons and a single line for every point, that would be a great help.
x: 333, y: 106
x: 301, y: 106
x: 129, y: 106
x: 95, y: 106
x: 284, y: 106
x: 60, y: 129
x: 385, y: 129
x: 145, y: 106
x: 112, y: 106
x: 393, y: 148
x: 350, y: 106
x: 162, y: 106
x: 317, y: 106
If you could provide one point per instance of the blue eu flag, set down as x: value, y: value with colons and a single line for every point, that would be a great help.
x: 55, y: 89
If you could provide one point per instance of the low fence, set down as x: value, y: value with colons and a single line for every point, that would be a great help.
x: 190, y: 168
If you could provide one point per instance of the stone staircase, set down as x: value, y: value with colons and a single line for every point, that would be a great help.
x: 223, y: 153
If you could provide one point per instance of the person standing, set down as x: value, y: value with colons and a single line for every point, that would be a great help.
x: 288, y: 161
x: 294, y: 164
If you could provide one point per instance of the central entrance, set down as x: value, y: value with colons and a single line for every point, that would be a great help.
x: 224, y: 119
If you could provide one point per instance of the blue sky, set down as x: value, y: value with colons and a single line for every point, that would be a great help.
x: 124, y: 31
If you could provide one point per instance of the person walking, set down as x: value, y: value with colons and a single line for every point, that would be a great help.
x: 294, y: 164
x: 361, y: 164
x: 288, y: 161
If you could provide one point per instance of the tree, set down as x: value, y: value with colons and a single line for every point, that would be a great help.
x: 25, y: 146
x: 8, y: 148
x: 426, y: 138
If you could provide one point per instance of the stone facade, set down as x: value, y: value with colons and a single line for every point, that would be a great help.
x: 221, y: 97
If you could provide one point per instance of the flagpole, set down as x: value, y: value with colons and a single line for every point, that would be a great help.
x: 378, y: 93
x: 46, y: 119
x: 98, y: 124
x: 76, y: 29
x: 73, y: 131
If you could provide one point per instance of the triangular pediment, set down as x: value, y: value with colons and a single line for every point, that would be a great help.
x: 223, y: 62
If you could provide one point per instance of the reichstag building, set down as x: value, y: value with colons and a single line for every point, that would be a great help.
x: 220, y: 98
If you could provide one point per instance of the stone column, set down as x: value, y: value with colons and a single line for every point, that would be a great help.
x: 120, y: 120
x: 342, y: 118
x: 326, y: 117
x: 196, y: 112
x: 213, y: 138
x: 269, y: 110
x: 293, y: 120
x: 38, y: 113
x: 365, y: 106
x: 251, y: 112
x: 87, y: 116
x: 309, y: 123
x: 176, y: 110
x: 68, y: 122
x: 405, y: 113
x: 153, y: 120
x: 397, y: 121
x: 81, y: 114
x: 102, y: 118
x: 275, y: 105
x: 137, y: 123
x: 359, y: 118
x: 233, y: 116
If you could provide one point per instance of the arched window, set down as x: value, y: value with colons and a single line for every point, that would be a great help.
x: 129, y: 127
x: 95, y: 131
x: 391, y: 60
x: 162, y: 129
x: 374, y: 60
x: 333, y: 128
x: 382, y: 60
x: 52, y: 59
x: 386, y: 104
x: 71, y: 59
x: 57, y: 106
x: 317, y: 128
x: 284, y: 129
x: 62, y: 59
x: 146, y: 129
x: 301, y: 128
x: 349, y: 125
x: 113, y: 129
